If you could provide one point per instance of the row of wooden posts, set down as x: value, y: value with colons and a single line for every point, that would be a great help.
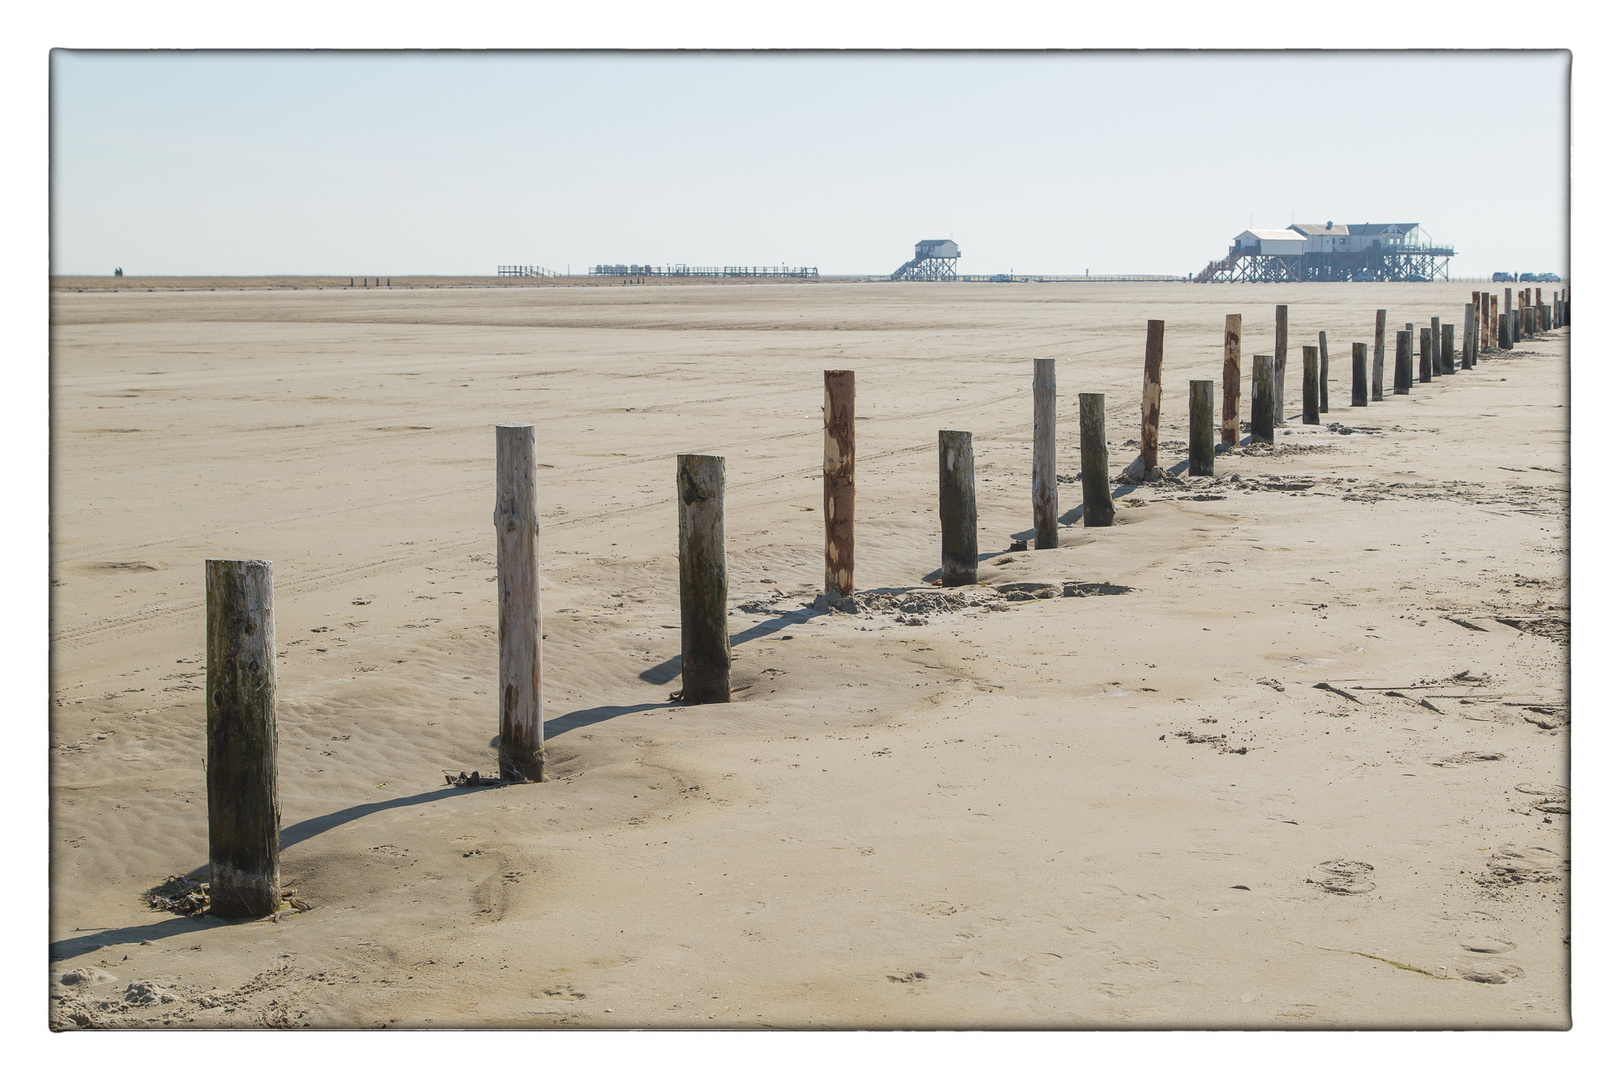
x: 244, y: 812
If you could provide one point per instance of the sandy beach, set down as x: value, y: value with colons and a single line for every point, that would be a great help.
x: 1103, y: 788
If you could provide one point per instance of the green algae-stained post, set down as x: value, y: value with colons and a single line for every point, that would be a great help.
x: 1358, y: 374
x: 1043, y: 480
x: 700, y: 482
x: 1311, y: 413
x: 1201, y: 427
x: 1097, y: 498
x: 1262, y: 411
x: 244, y: 805
x: 1322, y: 371
x: 1281, y: 358
x: 958, y: 511
x: 521, y: 747
x: 1377, y: 372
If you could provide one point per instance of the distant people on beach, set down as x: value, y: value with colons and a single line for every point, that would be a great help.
x: 118, y: 271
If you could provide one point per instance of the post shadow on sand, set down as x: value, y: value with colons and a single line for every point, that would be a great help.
x: 659, y: 674
x: 68, y: 948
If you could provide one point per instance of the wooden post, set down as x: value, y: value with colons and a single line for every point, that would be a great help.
x: 1096, y: 496
x: 1471, y: 323
x: 1322, y: 370
x: 1494, y: 324
x: 1541, y: 324
x: 1043, y: 483
x: 1311, y: 414
x: 1201, y: 427
x: 958, y: 512
x: 1448, y: 349
x: 1470, y: 336
x: 838, y: 480
x: 244, y: 806
x: 1231, y: 380
x: 1403, y: 361
x: 1504, y: 333
x: 700, y: 482
x: 1425, y: 356
x: 1377, y: 372
x: 1434, y: 347
x: 1152, y: 393
x: 1262, y: 411
x: 517, y: 571
x: 1358, y: 374
x: 1279, y: 384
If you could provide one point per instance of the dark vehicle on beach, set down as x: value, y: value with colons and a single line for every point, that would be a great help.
x: 1500, y: 276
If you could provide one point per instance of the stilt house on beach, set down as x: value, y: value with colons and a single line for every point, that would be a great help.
x: 1330, y: 252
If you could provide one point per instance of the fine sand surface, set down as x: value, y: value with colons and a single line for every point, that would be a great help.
x: 950, y: 808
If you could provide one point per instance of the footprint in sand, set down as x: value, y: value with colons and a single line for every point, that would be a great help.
x: 1491, y: 973
x: 1488, y: 945
x: 1343, y: 877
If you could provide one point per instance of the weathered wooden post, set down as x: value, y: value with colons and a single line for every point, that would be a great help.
x: 958, y: 511
x: 1097, y: 498
x: 1280, y: 383
x: 1201, y: 427
x: 1434, y: 347
x: 1470, y: 336
x: 1043, y: 485
x: 1541, y: 325
x: 521, y: 747
x: 1448, y: 349
x: 1504, y: 333
x: 1152, y: 394
x: 838, y: 480
x: 244, y: 805
x: 1358, y: 374
x: 700, y: 483
x: 1378, y: 357
x: 1231, y: 380
x: 1262, y: 412
x: 1322, y: 370
x: 1425, y: 356
x: 1311, y: 414
x: 1403, y: 361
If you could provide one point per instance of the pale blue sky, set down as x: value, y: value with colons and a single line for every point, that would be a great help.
x: 1038, y: 162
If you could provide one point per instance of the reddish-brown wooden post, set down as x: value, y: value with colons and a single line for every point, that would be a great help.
x: 1152, y: 393
x: 838, y: 480
x: 1231, y: 380
x: 1470, y: 336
